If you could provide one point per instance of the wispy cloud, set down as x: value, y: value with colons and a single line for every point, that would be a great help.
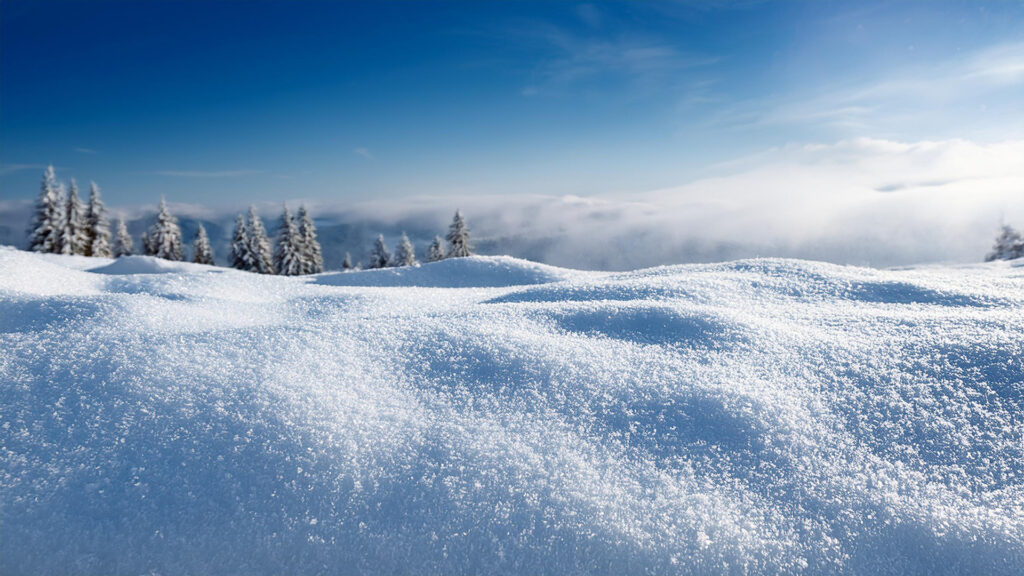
x: 206, y: 173
x: 632, y: 61
x: 925, y: 94
x: 13, y: 168
x: 83, y: 150
x: 1003, y: 64
x: 364, y: 152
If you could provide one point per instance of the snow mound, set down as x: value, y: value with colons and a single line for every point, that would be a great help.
x: 148, y: 265
x: 471, y: 272
x: 762, y: 416
x: 22, y: 273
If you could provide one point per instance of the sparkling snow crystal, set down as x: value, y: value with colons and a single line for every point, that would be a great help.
x: 492, y: 416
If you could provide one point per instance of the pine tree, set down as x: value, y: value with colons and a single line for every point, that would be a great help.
x: 97, y: 227
x: 47, y: 221
x: 241, y: 253
x: 259, y: 245
x: 164, y: 237
x: 1009, y: 245
x: 312, y: 255
x: 436, y: 250
x: 405, y: 254
x: 148, y: 246
x: 202, y: 252
x: 346, y: 264
x: 288, y: 252
x: 458, y: 238
x: 73, y: 234
x: 123, y: 241
x: 380, y: 256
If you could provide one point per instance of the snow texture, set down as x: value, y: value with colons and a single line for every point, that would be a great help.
x: 758, y: 416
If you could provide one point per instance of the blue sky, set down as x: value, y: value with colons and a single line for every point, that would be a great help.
x: 232, y: 102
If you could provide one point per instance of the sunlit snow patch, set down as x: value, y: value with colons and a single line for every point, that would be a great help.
x: 765, y: 416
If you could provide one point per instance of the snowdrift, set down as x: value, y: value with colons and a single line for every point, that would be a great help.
x: 749, y: 417
x: 472, y: 272
x: 147, y: 265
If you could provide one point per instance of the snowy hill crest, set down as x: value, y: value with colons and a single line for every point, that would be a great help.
x: 491, y: 415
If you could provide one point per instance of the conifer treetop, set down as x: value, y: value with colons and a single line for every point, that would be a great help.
x: 459, y: 245
x: 47, y: 219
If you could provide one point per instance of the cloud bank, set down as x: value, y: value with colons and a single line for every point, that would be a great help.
x: 863, y: 201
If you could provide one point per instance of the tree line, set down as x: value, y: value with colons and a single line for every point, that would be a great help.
x: 63, y: 224
x: 458, y: 246
x: 296, y: 252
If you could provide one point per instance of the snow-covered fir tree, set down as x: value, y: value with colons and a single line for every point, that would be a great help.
x: 96, y: 225
x: 123, y: 244
x: 379, y: 256
x: 202, y: 252
x: 148, y: 247
x: 1009, y: 245
x: 259, y: 245
x: 288, y: 257
x: 435, y: 251
x: 405, y: 254
x: 73, y: 238
x: 458, y: 238
x: 346, y: 264
x: 241, y: 255
x: 312, y: 254
x: 164, y: 238
x: 48, y: 218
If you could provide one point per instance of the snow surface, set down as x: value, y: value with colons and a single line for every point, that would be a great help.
x: 147, y: 265
x: 472, y: 272
x: 748, y: 417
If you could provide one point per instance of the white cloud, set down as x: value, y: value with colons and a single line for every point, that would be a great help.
x: 12, y: 168
x: 364, y: 152
x: 909, y: 100
x: 860, y: 201
x: 1002, y: 64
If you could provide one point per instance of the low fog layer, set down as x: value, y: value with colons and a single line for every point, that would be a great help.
x: 865, y: 201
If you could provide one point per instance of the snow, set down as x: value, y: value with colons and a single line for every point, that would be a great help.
x: 148, y: 265
x: 490, y: 415
x: 468, y: 272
